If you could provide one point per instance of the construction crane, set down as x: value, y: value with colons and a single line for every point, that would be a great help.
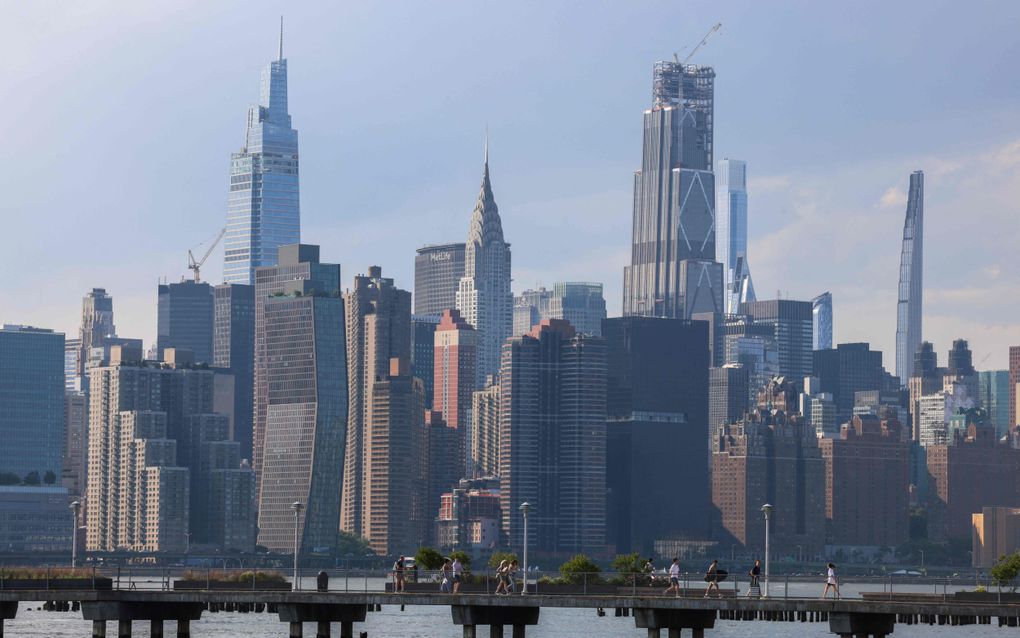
x: 196, y: 265
x: 704, y: 40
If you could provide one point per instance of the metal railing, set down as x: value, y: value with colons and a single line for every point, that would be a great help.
x: 486, y: 581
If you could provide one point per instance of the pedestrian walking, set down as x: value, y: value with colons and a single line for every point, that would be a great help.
x: 831, y: 582
x: 501, y: 580
x: 755, y: 574
x: 674, y: 577
x: 398, y: 575
x: 446, y: 577
x: 712, y: 577
x: 458, y: 574
x: 511, y: 576
x: 649, y: 571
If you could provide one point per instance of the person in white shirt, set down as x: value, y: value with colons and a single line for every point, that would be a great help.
x: 831, y: 582
x: 458, y: 573
x: 674, y: 578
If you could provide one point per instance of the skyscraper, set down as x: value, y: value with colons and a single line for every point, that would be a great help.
x: 96, y: 328
x: 31, y: 402
x: 727, y: 396
x: 673, y: 272
x: 792, y: 325
x: 423, y: 347
x: 821, y: 314
x: 484, y: 297
x: 456, y: 350
x: 911, y: 288
x: 993, y: 392
x: 304, y: 371
x: 295, y: 262
x: 553, y: 438
x: 1014, y: 385
x: 731, y: 231
x: 484, y: 438
x: 846, y: 369
x: 263, y: 209
x: 185, y: 319
x: 438, y: 269
x: 657, y: 397
x: 378, y: 316
x: 234, y: 351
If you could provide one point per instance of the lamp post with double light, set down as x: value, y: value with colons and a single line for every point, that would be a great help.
x: 297, y: 507
x: 766, y: 509
x: 525, y: 507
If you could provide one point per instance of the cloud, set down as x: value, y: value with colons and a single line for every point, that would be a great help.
x: 893, y: 198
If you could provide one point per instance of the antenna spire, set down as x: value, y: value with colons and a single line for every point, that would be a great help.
x: 486, y: 145
x: 281, y: 39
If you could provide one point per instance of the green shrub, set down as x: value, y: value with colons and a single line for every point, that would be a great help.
x: 428, y: 558
x: 498, y: 557
x: 1006, y: 569
x: 580, y: 569
x: 463, y: 557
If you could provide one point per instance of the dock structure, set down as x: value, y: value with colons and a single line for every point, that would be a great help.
x: 662, y: 616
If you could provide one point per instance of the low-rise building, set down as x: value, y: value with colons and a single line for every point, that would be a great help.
x: 996, y: 532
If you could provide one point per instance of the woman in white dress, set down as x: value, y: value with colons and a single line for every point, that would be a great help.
x: 831, y: 583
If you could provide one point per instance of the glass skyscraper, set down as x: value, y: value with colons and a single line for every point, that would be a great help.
x: 908, y: 305
x: 672, y: 271
x: 731, y: 231
x: 821, y: 313
x: 263, y: 209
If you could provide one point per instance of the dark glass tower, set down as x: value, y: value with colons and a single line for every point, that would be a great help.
x: 911, y: 289
x: 185, y: 319
x: 234, y: 350
x: 437, y: 272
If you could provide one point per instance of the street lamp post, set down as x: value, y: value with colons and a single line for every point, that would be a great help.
x: 525, y: 506
x: 75, y: 508
x: 297, y: 507
x: 766, y: 509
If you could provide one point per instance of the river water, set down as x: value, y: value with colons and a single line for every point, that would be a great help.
x: 435, y: 622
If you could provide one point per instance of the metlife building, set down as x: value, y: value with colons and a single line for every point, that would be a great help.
x: 437, y: 272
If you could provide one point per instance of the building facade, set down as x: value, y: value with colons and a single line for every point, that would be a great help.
x: 553, y: 439
x: 792, y: 328
x: 455, y: 354
x: 1014, y: 385
x: 263, y: 207
x: 234, y: 351
x: 423, y: 347
x: 672, y: 271
x: 378, y: 316
x: 657, y: 461
x: 993, y: 394
x: 970, y: 473
x: 305, y: 373
x: 821, y: 313
x: 996, y: 534
x: 731, y: 231
x: 438, y: 269
x: 484, y: 438
x: 770, y: 456
x: 911, y: 282
x: 484, y: 297
x: 579, y: 303
x: 867, y: 468
x: 185, y: 319
x: 31, y: 403
x: 727, y: 397
x: 846, y: 369
x: 295, y: 262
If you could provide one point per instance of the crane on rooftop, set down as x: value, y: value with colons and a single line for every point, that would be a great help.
x: 704, y: 40
x: 196, y: 264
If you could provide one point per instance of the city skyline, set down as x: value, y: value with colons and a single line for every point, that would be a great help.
x: 860, y: 215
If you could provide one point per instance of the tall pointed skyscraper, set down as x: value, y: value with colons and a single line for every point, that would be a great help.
x: 731, y: 232
x: 484, y: 298
x: 672, y: 271
x: 911, y: 289
x: 263, y: 209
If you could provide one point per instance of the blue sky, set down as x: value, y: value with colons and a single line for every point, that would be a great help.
x: 119, y: 119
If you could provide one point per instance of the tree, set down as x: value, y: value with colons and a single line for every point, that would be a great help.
x: 580, y: 569
x: 499, y: 557
x: 49, y: 478
x: 348, y: 544
x: 428, y: 558
x: 32, y: 478
x: 463, y: 557
x: 1006, y: 569
x: 9, y: 478
x: 628, y: 563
